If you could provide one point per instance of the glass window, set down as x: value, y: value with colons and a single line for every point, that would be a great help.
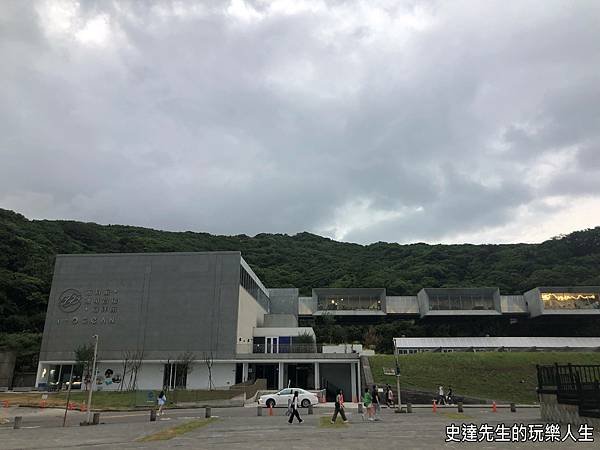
x: 571, y: 300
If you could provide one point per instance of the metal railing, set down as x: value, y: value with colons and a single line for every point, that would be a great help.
x: 574, y: 384
x: 280, y: 348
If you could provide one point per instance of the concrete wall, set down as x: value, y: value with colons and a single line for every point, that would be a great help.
x: 554, y: 412
x: 402, y: 304
x: 150, y: 376
x: 7, y: 367
x: 534, y: 302
x: 163, y: 304
x: 513, y: 304
x: 250, y: 316
x: 307, y: 306
x: 280, y: 320
x: 284, y: 301
x: 223, y: 375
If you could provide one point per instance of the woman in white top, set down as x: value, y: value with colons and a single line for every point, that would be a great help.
x: 162, y: 399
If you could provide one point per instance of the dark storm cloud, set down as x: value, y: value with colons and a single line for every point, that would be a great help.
x: 365, y: 121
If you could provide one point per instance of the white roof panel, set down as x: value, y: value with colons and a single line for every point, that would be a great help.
x: 496, y: 342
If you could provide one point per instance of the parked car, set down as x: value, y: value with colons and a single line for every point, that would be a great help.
x: 280, y: 399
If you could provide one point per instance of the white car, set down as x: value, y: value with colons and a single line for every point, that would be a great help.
x: 305, y: 398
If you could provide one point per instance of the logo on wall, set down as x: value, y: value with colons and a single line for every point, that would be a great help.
x: 69, y: 301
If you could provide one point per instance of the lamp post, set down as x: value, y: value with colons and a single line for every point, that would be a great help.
x: 397, y: 377
x: 93, y: 377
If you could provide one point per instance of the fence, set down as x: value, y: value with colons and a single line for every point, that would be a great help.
x: 281, y: 348
x: 573, y: 385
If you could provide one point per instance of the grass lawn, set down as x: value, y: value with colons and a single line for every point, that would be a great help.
x: 499, y: 376
x: 112, y: 400
x: 325, y: 422
x: 178, y: 430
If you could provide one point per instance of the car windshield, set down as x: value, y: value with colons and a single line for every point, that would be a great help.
x: 285, y: 392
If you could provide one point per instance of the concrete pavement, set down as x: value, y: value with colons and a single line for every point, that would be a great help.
x: 240, y: 428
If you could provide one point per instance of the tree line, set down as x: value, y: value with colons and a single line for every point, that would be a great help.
x: 28, y: 249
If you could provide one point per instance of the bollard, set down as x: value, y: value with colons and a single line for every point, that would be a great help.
x: 434, y: 406
x: 18, y: 421
x: 360, y: 408
x: 310, y: 410
x: 494, y: 406
x: 153, y: 415
x: 409, y: 408
x: 259, y: 410
x: 5, y: 403
x: 513, y: 407
x: 270, y: 410
x: 207, y: 412
x: 96, y: 419
x: 460, y: 407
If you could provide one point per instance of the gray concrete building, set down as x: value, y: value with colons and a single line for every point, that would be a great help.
x: 165, y: 308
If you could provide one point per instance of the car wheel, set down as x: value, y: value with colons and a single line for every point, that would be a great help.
x: 270, y: 403
x: 305, y: 403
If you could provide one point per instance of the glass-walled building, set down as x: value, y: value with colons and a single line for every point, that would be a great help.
x: 340, y: 299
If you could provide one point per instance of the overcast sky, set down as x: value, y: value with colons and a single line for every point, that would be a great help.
x: 369, y: 121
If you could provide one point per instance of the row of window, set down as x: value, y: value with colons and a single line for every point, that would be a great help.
x: 571, y: 300
x: 349, y: 302
x: 460, y: 302
x: 252, y: 287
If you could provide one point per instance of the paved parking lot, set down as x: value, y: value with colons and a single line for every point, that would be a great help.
x: 240, y: 428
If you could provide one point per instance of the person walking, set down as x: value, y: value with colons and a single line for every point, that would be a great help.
x: 450, y: 396
x: 376, y: 402
x: 339, y: 407
x: 441, y: 399
x: 162, y: 400
x: 390, y: 397
x: 294, y: 406
x: 367, y: 402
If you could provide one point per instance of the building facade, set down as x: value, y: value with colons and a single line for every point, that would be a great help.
x: 172, y: 315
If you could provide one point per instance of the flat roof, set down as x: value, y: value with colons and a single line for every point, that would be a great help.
x: 496, y: 342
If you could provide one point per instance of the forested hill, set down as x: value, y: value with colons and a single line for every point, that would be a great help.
x: 28, y: 248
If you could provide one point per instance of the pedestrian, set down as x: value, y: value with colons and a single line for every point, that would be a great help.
x: 339, y: 407
x: 367, y: 402
x: 441, y: 399
x: 162, y: 400
x: 294, y: 406
x: 376, y: 402
x: 390, y: 397
x: 450, y: 396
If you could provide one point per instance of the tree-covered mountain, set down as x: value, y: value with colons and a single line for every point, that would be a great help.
x: 28, y: 249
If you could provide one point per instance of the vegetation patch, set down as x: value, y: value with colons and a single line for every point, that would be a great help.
x: 500, y: 376
x: 178, y: 430
x: 105, y: 400
x: 325, y: 422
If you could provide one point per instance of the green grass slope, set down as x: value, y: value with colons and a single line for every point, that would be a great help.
x: 503, y: 377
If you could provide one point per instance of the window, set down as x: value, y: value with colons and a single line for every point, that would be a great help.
x: 252, y: 287
x: 571, y: 300
x: 344, y: 302
x: 175, y: 376
x: 446, y: 302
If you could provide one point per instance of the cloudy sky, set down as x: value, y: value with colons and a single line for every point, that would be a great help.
x: 364, y: 121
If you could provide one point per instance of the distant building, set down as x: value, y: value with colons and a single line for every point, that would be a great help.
x: 406, y: 345
x: 164, y: 308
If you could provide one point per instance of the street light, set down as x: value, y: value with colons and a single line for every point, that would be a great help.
x: 89, y: 402
x: 397, y: 377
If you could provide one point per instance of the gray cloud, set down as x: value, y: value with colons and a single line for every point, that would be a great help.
x: 364, y: 121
